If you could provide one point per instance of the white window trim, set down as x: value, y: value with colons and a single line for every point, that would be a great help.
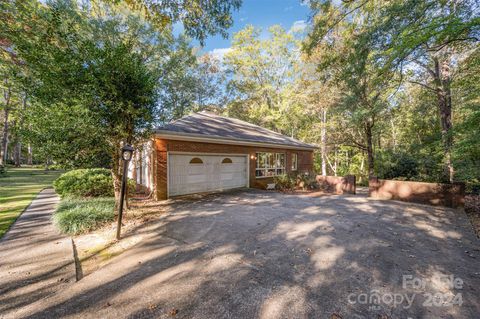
x: 265, y: 169
x: 296, y: 161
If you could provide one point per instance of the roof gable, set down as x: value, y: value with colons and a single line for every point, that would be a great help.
x: 212, y: 126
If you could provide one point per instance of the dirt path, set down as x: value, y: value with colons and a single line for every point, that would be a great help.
x: 35, y: 260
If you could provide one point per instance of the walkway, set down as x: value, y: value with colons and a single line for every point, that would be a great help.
x: 35, y: 260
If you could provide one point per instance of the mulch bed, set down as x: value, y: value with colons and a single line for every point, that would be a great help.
x: 472, y: 208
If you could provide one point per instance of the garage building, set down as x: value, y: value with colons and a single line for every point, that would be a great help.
x: 205, y: 152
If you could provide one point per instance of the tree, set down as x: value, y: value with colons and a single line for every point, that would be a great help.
x: 340, y: 36
x: 321, y: 95
x: 13, y: 97
x: 101, y: 60
x: 199, y: 18
x: 263, y: 79
x: 189, y: 82
x: 427, y: 38
x: 466, y: 95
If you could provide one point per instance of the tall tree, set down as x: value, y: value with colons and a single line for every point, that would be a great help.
x: 99, y: 58
x: 262, y: 79
x: 189, y: 82
x: 347, y: 54
x: 422, y: 40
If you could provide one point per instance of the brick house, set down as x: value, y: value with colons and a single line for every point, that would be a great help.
x: 205, y: 152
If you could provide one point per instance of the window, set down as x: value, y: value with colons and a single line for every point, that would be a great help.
x: 294, y: 161
x: 226, y: 160
x: 270, y: 164
x: 196, y: 160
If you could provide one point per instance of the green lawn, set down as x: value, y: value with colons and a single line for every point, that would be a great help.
x: 18, y: 188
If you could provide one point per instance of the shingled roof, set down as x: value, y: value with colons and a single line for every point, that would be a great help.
x: 210, y: 126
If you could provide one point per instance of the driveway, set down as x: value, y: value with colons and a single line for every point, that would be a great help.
x: 254, y: 254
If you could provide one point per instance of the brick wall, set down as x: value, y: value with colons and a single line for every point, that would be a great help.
x: 450, y: 195
x: 337, y: 184
x: 305, y: 160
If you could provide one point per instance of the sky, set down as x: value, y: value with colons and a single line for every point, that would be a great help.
x: 261, y: 13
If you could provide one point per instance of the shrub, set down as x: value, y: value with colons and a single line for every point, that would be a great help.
x: 93, y: 182
x: 285, y: 182
x: 307, y: 181
x: 399, y: 166
x: 80, y: 215
x: 3, y: 172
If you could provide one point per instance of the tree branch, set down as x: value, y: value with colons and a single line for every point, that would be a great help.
x: 423, y: 85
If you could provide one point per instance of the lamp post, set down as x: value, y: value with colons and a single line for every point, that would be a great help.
x: 127, y: 151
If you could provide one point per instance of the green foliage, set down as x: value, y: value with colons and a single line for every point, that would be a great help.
x: 285, y: 182
x: 92, y: 71
x: 3, y: 171
x: 199, y: 19
x: 307, y: 181
x: 76, y: 215
x: 264, y: 77
x: 95, y: 182
x: 189, y: 82
x: 397, y: 166
x: 288, y: 182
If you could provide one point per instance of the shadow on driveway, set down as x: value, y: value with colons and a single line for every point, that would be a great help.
x: 255, y: 254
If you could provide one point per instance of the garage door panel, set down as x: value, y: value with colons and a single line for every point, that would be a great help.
x: 214, y: 173
x: 193, y: 169
x: 192, y: 179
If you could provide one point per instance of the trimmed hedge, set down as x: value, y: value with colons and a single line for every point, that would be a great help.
x: 81, y: 215
x: 92, y: 182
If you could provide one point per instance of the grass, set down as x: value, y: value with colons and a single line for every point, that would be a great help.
x: 81, y: 215
x: 17, y: 189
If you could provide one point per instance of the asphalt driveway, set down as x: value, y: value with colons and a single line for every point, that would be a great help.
x: 254, y: 254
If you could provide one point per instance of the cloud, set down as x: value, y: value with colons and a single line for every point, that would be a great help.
x: 219, y: 53
x: 289, y: 8
x: 298, y: 26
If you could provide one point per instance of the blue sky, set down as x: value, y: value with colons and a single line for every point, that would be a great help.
x: 261, y: 13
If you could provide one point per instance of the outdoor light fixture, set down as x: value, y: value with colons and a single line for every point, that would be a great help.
x: 127, y: 151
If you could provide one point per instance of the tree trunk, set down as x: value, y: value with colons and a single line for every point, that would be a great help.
x: 394, y: 134
x: 4, y: 146
x: 444, y: 100
x: 335, y: 162
x: 18, y: 153
x: 30, y: 155
x: 117, y: 174
x: 116, y: 177
x: 370, y: 156
x: 323, y: 146
x: 18, y: 141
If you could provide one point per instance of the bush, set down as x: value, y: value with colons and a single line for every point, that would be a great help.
x: 3, y: 172
x: 285, y: 182
x: 307, y: 181
x: 93, y: 182
x: 399, y: 166
x: 77, y: 215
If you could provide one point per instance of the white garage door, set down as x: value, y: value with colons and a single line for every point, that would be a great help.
x: 203, y: 173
